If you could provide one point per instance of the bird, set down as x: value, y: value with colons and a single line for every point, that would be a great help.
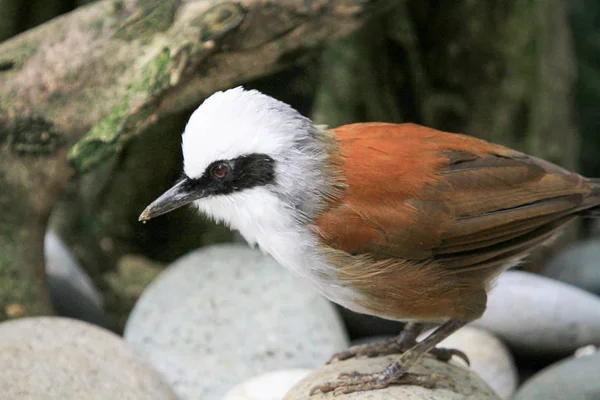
x: 399, y: 221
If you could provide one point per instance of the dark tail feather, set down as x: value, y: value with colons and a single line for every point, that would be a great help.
x: 592, y: 200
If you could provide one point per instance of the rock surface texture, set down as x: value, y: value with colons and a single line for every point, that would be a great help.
x: 461, y: 385
x: 226, y: 313
x: 270, y: 386
x: 60, y: 358
x: 577, y: 265
x: 72, y: 291
x: 572, y: 378
x: 490, y: 358
x: 538, y: 315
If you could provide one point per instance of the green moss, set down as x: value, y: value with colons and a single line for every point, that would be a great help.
x: 101, y: 141
x: 108, y: 135
x: 108, y: 129
x: 155, y: 77
x: 97, y: 26
x: 148, y: 17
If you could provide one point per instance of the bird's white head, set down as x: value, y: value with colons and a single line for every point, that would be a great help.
x: 237, y: 123
x: 249, y: 159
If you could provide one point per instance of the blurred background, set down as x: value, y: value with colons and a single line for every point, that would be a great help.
x: 510, y: 72
x: 522, y: 73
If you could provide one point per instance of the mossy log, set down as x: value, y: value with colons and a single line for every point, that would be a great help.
x: 74, y: 90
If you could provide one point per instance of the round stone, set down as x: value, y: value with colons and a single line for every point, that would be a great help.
x: 538, y: 315
x: 490, y: 358
x: 455, y: 383
x: 577, y: 265
x: 73, y: 293
x: 60, y: 358
x: 572, y: 378
x: 226, y: 313
x: 270, y: 386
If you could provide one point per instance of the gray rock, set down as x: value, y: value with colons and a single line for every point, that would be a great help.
x: 460, y: 384
x: 586, y: 350
x: 578, y: 265
x: 572, y: 378
x: 490, y: 358
x: 270, y: 386
x: 73, y: 292
x: 60, y: 358
x: 539, y: 315
x: 226, y: 313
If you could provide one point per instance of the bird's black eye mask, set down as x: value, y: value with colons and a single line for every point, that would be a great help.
x: 228, y: 176
x: 220, y: 177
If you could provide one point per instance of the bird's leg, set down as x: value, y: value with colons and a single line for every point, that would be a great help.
x: 408, y: 337
x: 395, y: 373
x: 397, y: 345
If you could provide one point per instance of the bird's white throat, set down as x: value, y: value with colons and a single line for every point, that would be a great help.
x: 274, y: 216
x: 264, y: 220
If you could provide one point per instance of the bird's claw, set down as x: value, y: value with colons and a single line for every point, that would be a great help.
x: 445, y: 354
x: 376, y: 349
x: 357, y: 382
x: 393, y: 346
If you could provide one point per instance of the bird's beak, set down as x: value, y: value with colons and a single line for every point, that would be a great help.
x: 182, y: 193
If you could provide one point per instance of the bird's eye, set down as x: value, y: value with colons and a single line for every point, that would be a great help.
x: 219, y: 171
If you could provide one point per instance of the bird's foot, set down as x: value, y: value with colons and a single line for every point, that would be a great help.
x: 397, y: 372
x: 396, y: 345
x: 359, y: 382
x: 375, y: 349
x: 446, y: 354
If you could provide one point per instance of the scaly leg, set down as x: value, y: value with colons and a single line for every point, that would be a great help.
x: 406, y: 340
x: 397, y: 372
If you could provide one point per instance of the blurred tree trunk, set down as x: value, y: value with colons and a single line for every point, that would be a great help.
x: 500, y: 70
x: 26, y: 207
x: 357, y: 80
x: 585, y: 20
x: 29, y: 186
x: 75, y: 91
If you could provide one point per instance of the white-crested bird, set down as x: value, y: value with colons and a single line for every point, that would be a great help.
x: 399, y: 221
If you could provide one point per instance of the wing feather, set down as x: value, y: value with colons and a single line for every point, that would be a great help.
x: 416, y: 193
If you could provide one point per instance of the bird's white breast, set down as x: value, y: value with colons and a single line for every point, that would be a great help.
x: 264, y: 220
